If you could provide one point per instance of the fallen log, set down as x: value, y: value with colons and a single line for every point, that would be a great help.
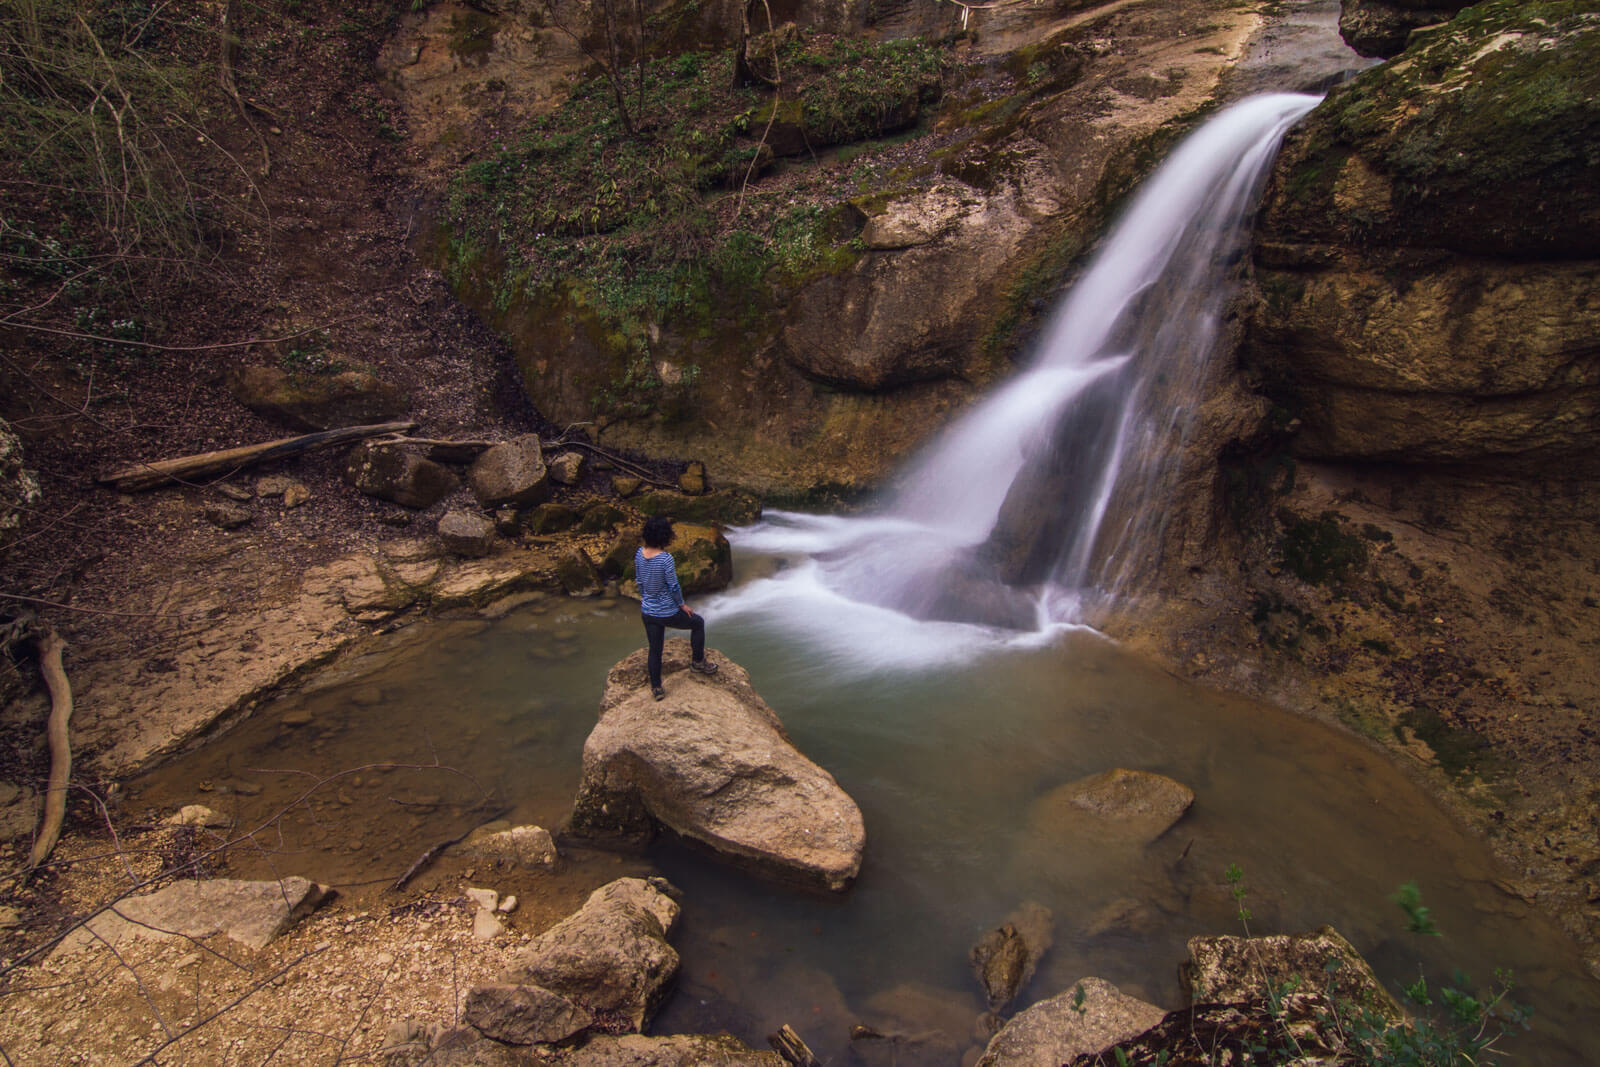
x: 55, y: 796
x: 149, y: 475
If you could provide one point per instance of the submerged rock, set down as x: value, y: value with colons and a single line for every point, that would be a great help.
x: 523, y: 846
x: 1005, y: 958
x: 713, y: 764
x: 1115, y: 806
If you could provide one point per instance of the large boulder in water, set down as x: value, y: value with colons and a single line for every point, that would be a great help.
x: 1427, y: 255
x: 713, y: 764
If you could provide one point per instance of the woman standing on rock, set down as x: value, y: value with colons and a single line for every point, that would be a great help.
x: 661, y: 602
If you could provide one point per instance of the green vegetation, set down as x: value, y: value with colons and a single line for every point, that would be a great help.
x: 1318, y: 550
x: 1454, y: 1027
x: 635, y: 229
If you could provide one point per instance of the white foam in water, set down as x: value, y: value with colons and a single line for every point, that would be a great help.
x: 1116, y: 376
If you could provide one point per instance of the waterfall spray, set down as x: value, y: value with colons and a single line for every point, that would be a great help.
x: 1046, y: 497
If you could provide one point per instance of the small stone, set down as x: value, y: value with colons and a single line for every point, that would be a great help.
x: 228, y: 516
x: 237, y: 493
x: 467, y: 533
x: 198, y: 815
x: 298, y: 717
x: 484, y: 898
x: 486, y: 926
x: 566, y: 468
x: 507, y: 905
x: 625, y: 485
x: 274, y: 485
x: 295, y: 495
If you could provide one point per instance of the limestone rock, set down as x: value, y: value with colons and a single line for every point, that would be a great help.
x: 1053, y: 1031
x: 467, y: 533
x: 524, y: 1014
x: 317, y: 401
x: 524, y: 846
x: 625, y: 485
x: 295, y: 495
x: 1379, y: 28
x: 713, y: 764
x: 1119, y: 805
x: 512, y: 472
x: 392, y: 472
x: 566, y: 468
x: 198, y: 815
x: 1425, y: 298
x: 611, y: 957
x: 917, y: 219
x: 1238, y: 969
x: 726, y: 506
x: 1006, y: 957
x: 693, y: 479
x: 252, y: 913
x: 226, y: 515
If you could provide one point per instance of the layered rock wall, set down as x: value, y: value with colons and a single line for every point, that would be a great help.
x: 1428, y: 251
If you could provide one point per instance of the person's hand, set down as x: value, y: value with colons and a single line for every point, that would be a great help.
x: 687, y: 610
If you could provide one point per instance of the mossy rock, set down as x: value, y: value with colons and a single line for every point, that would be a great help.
x: 702, y: 556
x: 550, y: 518
x: 729, y: 507
x: 601, y: 517
x: 1459, y: 142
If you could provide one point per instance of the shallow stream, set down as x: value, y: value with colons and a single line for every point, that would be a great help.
x: 947, y: 763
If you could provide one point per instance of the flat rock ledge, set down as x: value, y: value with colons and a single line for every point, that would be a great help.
x: 251, y: 913
x: 1091, y: 1015
x: 713, y: 764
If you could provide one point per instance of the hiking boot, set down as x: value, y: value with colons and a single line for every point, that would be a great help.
x: 658, y: 692
x: 704, y: 666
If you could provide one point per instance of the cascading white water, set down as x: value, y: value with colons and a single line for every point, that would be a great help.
x: 1098, y: 418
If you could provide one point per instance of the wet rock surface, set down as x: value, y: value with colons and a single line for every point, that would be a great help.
x: 713, y: 764
x: 1118, y: 806
x: 1426, y: 299
x: 1080, y: 1021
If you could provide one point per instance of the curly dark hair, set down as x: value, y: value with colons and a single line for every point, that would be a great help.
x: 657, y: 531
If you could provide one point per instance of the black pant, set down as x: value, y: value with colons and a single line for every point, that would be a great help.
x: 655, y: 630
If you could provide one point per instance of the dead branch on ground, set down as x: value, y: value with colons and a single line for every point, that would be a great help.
x: 55, y: 800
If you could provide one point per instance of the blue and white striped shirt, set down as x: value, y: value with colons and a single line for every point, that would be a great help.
x: 659, y: 595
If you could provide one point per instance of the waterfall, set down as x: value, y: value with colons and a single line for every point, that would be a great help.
x: 1042, y: 500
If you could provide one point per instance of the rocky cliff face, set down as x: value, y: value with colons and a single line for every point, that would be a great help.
x: 1410, y: 540
x: 927, y: 253
x: 1428, y: 251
